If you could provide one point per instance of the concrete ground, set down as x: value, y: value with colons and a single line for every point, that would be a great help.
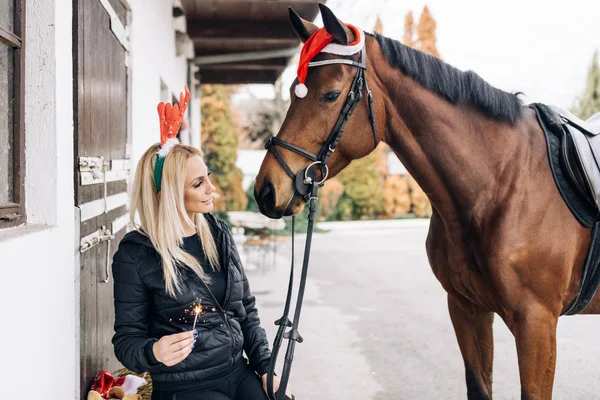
x: 375, y: 322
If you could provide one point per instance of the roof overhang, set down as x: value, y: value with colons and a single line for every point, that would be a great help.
x: 239, y: 42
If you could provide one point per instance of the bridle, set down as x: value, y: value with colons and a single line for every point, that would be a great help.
x: 301, y: 180
x: 306, y: 185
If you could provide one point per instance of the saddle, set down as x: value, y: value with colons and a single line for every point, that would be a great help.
x: 573, y: 147
x: 581, y: 152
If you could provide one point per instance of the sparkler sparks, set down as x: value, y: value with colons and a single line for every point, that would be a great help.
x: 197, y: 311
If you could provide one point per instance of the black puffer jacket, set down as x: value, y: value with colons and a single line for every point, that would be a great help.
x: 144, y: 312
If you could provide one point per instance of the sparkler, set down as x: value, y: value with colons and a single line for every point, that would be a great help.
x: 197, y: 311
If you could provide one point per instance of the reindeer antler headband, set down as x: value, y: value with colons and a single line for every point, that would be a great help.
x: 170, y: 122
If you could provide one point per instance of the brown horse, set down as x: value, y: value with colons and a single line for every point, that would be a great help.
x: 501, y: 239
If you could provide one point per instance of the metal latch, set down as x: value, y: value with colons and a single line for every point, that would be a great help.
x: 92, y: 170
x: 95, y: 170
x: 95, y: 238
x: 88, y: 242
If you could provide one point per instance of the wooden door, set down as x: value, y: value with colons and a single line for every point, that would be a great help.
x: 101, y: 106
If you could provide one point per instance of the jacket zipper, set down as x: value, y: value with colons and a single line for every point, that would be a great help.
x: 227, y: 259
x: 223, y: 315
x: 223, y: 310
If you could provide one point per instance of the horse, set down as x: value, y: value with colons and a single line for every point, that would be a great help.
x: 501, y: 239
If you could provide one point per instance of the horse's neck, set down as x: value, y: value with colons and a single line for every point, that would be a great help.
x: 453, y: 152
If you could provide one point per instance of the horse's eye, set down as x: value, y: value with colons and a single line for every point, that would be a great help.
x: 330, y: 97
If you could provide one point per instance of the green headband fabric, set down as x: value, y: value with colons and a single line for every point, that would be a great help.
x: 158, y: 168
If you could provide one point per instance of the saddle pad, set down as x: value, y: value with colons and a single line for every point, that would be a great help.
x: 582, y: 210
x: 550, y: 123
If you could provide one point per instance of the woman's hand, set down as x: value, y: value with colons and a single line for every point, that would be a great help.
x: 288, y: 389
x: 172, y: 349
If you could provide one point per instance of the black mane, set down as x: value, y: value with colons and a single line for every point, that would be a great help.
x: 449, y: 82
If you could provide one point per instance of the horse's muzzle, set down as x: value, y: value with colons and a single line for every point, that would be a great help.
x: 265, y: 198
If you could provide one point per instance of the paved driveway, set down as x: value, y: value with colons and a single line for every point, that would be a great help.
x: 376, y: 325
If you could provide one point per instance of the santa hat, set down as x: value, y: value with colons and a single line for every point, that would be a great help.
x: 104, y: 384
x: 320, y: 42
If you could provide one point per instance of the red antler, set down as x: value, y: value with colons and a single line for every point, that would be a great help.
x: 172, y: 116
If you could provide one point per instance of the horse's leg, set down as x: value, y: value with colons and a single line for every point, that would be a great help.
x: 476, y: 341
x: 535, y: 336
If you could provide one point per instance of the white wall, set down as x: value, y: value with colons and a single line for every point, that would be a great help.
x: 37, y: 293
x: 152, y: 59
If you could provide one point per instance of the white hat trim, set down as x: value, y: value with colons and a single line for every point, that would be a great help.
x: 346, y: 50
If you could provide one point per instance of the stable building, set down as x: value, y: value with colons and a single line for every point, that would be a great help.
x: 80, y: 82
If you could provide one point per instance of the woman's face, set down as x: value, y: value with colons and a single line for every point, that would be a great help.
x: 198, y: 190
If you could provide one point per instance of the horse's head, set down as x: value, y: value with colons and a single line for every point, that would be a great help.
x: 309, y: 132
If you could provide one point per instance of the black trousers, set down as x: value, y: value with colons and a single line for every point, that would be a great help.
x: 242, y: 384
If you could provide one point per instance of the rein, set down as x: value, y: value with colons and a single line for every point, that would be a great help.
x: 306, y: 185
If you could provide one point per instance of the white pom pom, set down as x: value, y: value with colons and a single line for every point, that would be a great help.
x: 301, y: 90
x: 166, y: 148
x: 132, y: 384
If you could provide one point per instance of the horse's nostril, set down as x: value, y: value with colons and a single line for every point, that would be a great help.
x: 266, y: 197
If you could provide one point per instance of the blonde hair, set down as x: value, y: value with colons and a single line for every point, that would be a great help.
x: 161, y: 216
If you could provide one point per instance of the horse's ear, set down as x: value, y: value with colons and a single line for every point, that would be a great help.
x: 303, y: 28
x: 334, y: 26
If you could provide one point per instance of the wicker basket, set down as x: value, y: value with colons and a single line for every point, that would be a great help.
x: 146, y: 390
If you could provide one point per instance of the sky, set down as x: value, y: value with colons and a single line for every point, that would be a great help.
x: 540, y: 47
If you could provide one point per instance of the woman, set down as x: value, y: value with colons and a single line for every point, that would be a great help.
x: 183, y: 307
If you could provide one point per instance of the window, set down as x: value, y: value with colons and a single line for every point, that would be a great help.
x: 12, y: 89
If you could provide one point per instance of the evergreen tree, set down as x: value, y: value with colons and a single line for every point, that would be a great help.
x: 409, y: 30
x: 589, y: 103
x: 426, y: 33
x: 378, y: 28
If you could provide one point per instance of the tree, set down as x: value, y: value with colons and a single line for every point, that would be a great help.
x: 425, y: 39
x: 219, y: 143
x: 589, y: 102
x: 409, y: 30
x: 421, y: 206
x: 426, y: 33
x: 329, y: 196
x: 378, y: 27
x: 362, y: 188
x: 396, y: 196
